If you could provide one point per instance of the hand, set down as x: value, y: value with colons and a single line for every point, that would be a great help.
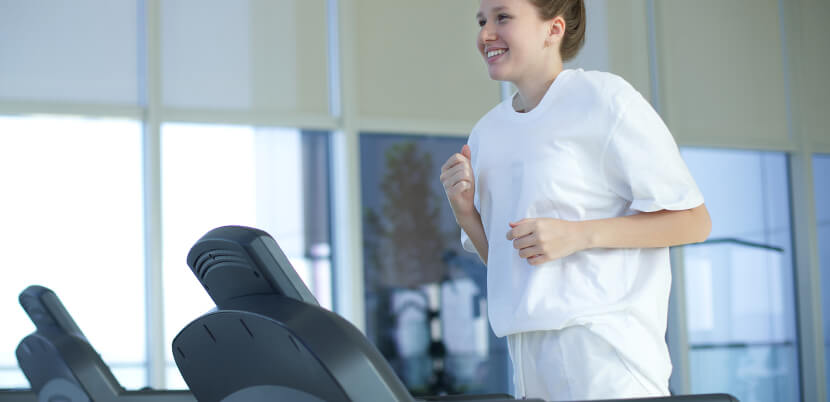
x: 459, y: 183
x: 540, y: 240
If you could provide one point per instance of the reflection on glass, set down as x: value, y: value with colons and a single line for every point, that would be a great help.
x: 741, y: 336
x: 425, y: 296
x: 821, y: 186
x: 266, y: 178
x: 740, y: 302
x: 72, y: 220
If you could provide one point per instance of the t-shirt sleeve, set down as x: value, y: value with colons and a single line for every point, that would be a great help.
x: 643, y: 164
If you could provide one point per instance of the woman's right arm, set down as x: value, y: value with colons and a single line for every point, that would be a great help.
x: 475, y: 231
x: 459, y: 185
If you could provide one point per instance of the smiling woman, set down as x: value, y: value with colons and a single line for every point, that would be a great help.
x: 586, y: 181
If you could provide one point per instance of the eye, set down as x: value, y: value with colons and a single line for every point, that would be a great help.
x: 481, y: 22
x: 502, y: 17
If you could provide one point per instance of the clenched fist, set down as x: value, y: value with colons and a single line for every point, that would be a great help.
x: 459, y: 183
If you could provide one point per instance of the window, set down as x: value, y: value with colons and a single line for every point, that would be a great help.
x: 72, y: 210
x: 426, y: 306
x: 79, y: 52
x: 273, y: 179
x: 269, y: 56
x: 740, y: 305
x: 821, y: 175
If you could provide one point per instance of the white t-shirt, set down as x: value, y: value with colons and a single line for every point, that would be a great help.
x: 593, y: 148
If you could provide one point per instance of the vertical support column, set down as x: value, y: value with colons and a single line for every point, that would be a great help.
x: 802, y: 204
x: 347, y: 229
x: 316, y: 204
x: 677, y: 334
x: 151, y: 98
x: 808, y: 279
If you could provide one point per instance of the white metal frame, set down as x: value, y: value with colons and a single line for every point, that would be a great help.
x: 153, y: 242
x: 805, y: 234
x: 348, y: 233
x: 346, y: 126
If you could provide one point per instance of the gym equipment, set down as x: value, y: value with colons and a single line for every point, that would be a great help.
x: 17, y: 395
x: 268, y: 339
x: 61, y: 365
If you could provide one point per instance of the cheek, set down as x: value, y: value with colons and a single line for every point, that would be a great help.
x: 518, y: 50
x: 479, y: 43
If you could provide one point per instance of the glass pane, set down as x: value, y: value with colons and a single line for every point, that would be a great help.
x: 415, y: 269
x: 235, y: 175
x: 821, y: 186
x: 12, y: 377
x: 251, y: 63
x: 78, y: 51
x: 740, y: 302
x: 131, y: 376
x: 72, y: 213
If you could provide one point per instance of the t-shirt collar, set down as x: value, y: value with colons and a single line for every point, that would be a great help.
x: 543, y: 104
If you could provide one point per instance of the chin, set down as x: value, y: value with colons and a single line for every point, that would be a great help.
x: 497, y: 74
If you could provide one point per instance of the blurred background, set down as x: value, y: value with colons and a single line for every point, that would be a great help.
x: 129, y: 128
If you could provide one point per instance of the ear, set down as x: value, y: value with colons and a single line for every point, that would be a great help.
x: 556, y: 30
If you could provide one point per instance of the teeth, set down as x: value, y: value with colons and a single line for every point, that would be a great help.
x: 495, y: 52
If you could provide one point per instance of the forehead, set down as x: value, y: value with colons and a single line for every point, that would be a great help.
x: 493, y: 6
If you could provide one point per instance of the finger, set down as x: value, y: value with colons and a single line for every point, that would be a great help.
x: 459, y: 188
x: 530, y: 252
x: 449, y: 171
x: 465, y: 151
x: 525, y: 242
x: 523, y: 228
x: 456, y: 174
x: 539, y: 259
x: 452, y: 161
x: 519, y: 222
x: 459, y: 175
x: 453, y: 177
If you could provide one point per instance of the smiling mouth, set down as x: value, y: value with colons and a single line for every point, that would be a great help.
x: 495, y: 53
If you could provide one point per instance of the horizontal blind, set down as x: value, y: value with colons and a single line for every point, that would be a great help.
x: 83, y: 51
x: 721, y: 72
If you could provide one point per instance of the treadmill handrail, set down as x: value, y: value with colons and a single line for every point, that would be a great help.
x: 46, y: 311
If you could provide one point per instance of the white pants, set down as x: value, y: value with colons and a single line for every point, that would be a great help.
x: 572, y: 364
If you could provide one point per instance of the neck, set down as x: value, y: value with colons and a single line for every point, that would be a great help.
x: 531, y: 91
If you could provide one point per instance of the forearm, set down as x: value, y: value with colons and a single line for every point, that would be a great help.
x: 649, y: 229
x: 475, y: 231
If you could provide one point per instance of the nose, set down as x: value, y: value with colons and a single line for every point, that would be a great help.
x: 486, y: 34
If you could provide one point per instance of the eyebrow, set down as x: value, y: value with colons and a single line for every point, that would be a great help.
x: 479, y: 15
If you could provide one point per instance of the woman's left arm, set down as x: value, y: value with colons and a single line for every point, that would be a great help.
x: 545, y: 239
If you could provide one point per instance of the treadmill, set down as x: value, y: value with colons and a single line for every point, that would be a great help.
x: 61, y: 365
x: 269, y: 340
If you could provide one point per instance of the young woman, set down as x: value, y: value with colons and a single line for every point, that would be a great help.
x: 571, y: 192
